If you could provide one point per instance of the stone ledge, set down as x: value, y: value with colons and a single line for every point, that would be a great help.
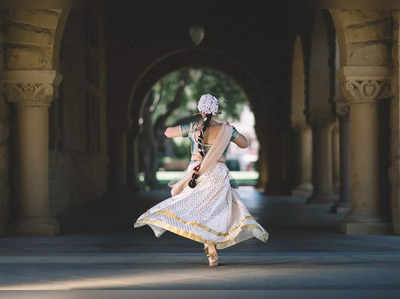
x: 36, y: 17
x: 301, y: 193
x: 342, y: 210
x: 365, y: 72
x: 366, y: 228
x: 37, y: 76
x: 37, y: 226
x: 322, y: 199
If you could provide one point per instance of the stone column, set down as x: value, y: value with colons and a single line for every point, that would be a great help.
x: 32, y: 92
x: 118, y: 148
x: 342, y: 206
x: 304, y: 161
x: 336, y: 159
x: 395, y: 127
x: 322, y: 163
x: 364, y: 88
x: 133, y: 160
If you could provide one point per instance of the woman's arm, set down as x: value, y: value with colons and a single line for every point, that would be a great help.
x: 172, y: 132
x: 241, y: 141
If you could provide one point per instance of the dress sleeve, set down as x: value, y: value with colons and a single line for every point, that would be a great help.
x: 235, y: 133
x: 185, y: 129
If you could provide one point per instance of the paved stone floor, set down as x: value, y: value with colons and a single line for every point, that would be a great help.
x: 304, y: 258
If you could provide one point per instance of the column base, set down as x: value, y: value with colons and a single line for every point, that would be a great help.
x: 37, y: 226
x: 276, y: 189
x: 396, y: 227
x: 303, y: 190
x: 322, y: 199
x: 365, y: 228
x: 341, y: 208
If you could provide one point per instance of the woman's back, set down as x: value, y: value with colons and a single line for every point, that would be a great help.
x: 210, y: 134
x: 192, y: 130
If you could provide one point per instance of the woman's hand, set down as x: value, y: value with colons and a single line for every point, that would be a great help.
x: 172, y: 132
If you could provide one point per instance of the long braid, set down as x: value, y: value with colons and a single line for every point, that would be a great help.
x: 200, y: 144
x: 200, y: 139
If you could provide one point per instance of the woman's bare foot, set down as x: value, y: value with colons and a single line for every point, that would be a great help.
x: 212, y: 254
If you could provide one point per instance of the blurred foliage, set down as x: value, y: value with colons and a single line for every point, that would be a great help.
x: 181, y: 149
x: 172, y: 101
x: 231, y: 97
x: 233, y: 164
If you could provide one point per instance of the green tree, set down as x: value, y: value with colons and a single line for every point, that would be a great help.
x: 173, y: 100
x: 232, y: 97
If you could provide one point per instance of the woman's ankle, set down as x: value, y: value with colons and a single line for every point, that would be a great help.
x: 212, y: 249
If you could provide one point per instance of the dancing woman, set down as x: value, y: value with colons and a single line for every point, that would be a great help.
x: 203, y: 206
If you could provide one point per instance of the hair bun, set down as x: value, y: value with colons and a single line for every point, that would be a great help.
x: 208, y: 104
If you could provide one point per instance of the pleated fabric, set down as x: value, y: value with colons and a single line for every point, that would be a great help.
x: 212, y: 212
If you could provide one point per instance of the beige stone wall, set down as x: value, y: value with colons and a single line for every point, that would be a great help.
x: 78, y: 154
x: 4, y: 133
x: 364, y: 36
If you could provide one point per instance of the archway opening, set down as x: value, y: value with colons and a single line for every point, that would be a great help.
x: 171, y: 101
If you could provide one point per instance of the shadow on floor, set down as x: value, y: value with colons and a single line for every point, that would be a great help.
x: 116, y: 211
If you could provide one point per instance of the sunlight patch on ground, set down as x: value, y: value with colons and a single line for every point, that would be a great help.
x: 149, y: 279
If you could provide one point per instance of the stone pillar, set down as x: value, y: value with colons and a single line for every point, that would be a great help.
x: 342, y: 206
x: 304, y: 161
x: 395, y: 128
x: 276, y: 150
x: 363, y: 88
x: 336, y: 159
x: 322, y: 164
x: 32, y: 92
x: 118, y: 148
x: 133, y: 160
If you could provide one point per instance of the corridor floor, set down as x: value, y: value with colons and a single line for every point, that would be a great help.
x: 304, y: 258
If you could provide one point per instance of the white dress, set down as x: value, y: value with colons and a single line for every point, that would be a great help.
x: 212, y: 212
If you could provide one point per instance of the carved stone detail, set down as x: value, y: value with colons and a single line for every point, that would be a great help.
x: 365, y: 84
x: 29, y: 94
x: 367, y: 90
x: 30, y: 88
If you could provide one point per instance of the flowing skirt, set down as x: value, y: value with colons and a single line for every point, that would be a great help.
x: 212, y: 212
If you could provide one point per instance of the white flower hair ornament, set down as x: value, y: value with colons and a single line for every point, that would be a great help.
x: 208, y: 104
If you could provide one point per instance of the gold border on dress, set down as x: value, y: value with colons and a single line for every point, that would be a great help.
x: 195, y: 237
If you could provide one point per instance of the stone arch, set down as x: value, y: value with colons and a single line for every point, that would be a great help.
x: 194, y: 58
x: 200, y: 58
x: 320, y: 69
x: 59, y: 37
x: 364, y: 36
x: 320, y: 112
x: 34, y: 38
x: 302, y: 136
x: 298, y: 85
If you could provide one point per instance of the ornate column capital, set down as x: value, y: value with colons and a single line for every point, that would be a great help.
x: 365, y: 84
x: 30, y: 88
